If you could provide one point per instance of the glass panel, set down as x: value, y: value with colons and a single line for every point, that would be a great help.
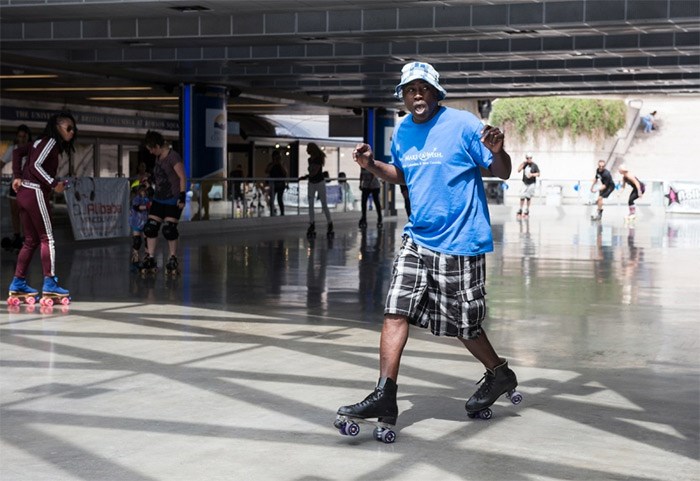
x: 109, y: 166
x: 83, y: 162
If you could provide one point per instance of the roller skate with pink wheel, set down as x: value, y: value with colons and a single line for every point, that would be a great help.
x: 380, y: 405
x: 52, y: 293
x: 500, y: 380
x: 20, y: 292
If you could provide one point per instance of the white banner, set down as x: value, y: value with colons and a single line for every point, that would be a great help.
x: 682, y: 197
x: 98, y: 207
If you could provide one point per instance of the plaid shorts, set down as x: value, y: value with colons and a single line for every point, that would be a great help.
x: 441, y: 291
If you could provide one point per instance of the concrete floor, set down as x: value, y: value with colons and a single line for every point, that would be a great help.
x: 234, y: 371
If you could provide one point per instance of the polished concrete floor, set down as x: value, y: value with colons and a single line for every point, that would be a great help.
x: 234, y: 371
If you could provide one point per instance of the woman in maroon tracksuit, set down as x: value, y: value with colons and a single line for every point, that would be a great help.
x: 33, y: 185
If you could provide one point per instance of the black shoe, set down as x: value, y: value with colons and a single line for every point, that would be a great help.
x: 380, y: 404
x: 495, y: 383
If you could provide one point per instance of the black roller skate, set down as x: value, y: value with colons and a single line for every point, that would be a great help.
x: 135, y: 260
x: 379, y: 223
x: 311, y: 231
x: 519, y: 214
x: 149, y: 266
x: 363, y: 223
x: 598, y: 217
x: 171, y: 267
x: 330, y: 233
x: 380, y: 404
x: 495, y: 383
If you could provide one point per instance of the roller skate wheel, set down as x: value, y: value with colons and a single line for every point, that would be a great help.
x: 486, y: 413
x: 515, y: 397
x: 65, y: 301
x: 13, y: 301
x: 46, y: 301
x: 351, y: 429
x: 384, y: 435
x: 31, y: 300
x: 472, y: 415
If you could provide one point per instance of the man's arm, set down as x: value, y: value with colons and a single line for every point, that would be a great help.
x: 501, y: 166
x: 493, y: 139
x: 364, y: 157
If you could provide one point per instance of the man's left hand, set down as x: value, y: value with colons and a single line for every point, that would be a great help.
x: 492, y: 138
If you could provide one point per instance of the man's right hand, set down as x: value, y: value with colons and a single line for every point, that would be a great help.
x: 363, y: 155
x: 60, y: 187
x: 16, y: 184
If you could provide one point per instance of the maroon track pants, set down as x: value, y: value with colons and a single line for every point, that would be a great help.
x: 35, y: 215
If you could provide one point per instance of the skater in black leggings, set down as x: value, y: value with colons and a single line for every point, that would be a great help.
x: 638, y: 189
x: 370, y: 186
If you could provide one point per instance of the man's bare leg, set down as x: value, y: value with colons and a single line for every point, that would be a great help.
x: 482, y: 349
x: 391, y: 345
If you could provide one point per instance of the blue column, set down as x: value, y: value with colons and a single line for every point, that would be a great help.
x: 379, y: 127
x: 203, y: 123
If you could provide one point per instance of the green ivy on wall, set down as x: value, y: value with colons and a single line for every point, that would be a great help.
x: 594, y: 118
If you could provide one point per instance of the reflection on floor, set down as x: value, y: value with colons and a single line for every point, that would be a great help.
x: 235, y: 369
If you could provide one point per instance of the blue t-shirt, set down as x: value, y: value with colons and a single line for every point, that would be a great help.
x: 440, y: 160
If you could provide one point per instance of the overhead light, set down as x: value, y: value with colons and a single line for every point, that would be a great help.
x: 26, y: 76
x: 628, y: 70
x: 256, y: 106
x: 131, y: 98
x: 75, y: 89
x: 137, y: 43
x: 190, y: 9
x: 520, y: 32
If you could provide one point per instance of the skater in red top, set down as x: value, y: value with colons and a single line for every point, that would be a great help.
x: 33, y: 185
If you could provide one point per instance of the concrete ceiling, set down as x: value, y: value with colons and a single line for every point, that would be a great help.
x: 319, y: 56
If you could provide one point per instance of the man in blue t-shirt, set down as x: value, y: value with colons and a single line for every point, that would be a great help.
x: 439, y: 272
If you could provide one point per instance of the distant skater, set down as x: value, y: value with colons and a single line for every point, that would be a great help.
x: 638, y: 189
x: 606, y: 187
x: 530, y: 172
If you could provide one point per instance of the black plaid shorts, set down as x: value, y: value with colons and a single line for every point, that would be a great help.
x: 441, y: 291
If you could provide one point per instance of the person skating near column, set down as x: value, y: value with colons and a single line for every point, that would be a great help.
x: 439, y: 272
x: 33, y: 185
x: 278, y: 184
x: 530, y: 172
x: 638, y: 189
x: 370, y: 186
x: 317, y: 185
x: 23, y: 136
x: 606, y: 187
x: 169, y: 186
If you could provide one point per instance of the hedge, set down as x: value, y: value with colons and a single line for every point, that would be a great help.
x: 594, y: 118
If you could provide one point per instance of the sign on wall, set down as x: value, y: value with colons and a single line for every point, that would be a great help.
x: 98, y: 208
x: 682, y: 197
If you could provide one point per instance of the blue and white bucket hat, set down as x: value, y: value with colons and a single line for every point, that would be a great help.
x: 419, y: 71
